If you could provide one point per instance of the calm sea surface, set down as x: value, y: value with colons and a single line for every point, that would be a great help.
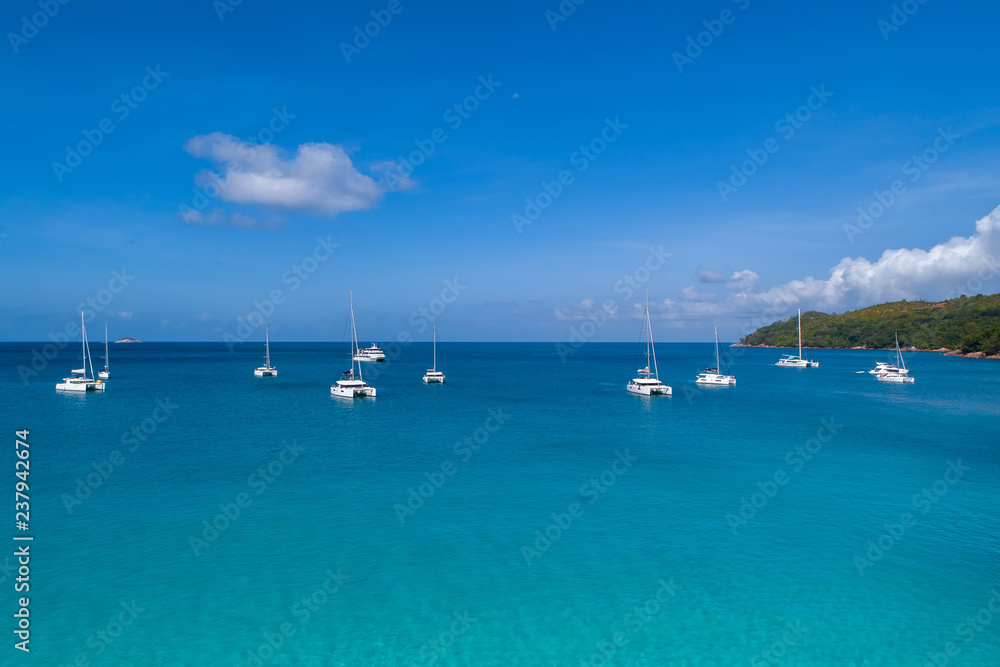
x: 528, y: 512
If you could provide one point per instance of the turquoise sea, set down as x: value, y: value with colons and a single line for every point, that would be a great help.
x: 528, y: 512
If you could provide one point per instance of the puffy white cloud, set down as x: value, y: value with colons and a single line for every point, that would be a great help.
x: 958, y: 266
x: 320, y: 178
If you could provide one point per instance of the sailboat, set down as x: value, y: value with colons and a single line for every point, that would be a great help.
x: 895, y: 374
x: 648, y: 383
x: 350, y: 387
x: 78, y: 379
x: 433, y: 375
x: 792, y: 361
x: 106, y: 373
x: 711, y: 375
x: 267, y: 370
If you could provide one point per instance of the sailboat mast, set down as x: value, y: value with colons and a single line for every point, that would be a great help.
x: 651, y: 347
x: 354, y: 340
x: 267, y: 347
x: 717, y: 366
x: 800, y: 333
x: 899, y: 355
x: 435, y: 344
x: 107, y: 360
x: 86, y: 351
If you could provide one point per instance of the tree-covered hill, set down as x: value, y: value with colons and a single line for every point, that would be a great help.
x: 966, y: 324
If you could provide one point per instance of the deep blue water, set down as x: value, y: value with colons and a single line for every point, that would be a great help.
x: 450, y: 583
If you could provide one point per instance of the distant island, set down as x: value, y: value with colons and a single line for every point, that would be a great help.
x: 964, y: 326
x: 127, y: 340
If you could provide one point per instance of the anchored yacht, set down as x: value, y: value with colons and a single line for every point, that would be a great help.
x: 648, y: 383
x: 352, y: 385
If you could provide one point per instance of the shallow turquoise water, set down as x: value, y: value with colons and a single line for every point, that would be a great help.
x: 450, y: 584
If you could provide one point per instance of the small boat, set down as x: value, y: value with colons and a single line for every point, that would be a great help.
x: 648, y: 383
x: 433, y: 375
x: 372, y: 353
x: 792, y: 361
x: 106, y: 373
x: 894, y: 374
x: 711, y: 376
x: 349, y: 387
x: 267, y: 370
x: 78, y: 380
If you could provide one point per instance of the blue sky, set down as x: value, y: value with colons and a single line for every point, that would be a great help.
x: 333, y: 171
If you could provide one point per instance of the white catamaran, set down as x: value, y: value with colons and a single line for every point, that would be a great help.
x: 792, y: 361
x: 433, y: 375
x: 648, y: 383
x: 267, y: 370
x: 106, y: 373
x: 894, y: 374
x: 78, y: 379
x: 350, y: 387
x: 711, y: 376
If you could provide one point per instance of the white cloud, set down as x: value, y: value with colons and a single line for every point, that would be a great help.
x: 691, y: 294
x: 125, y: 314
x: 960, y: 265
x: 586, y: 310
x: 320, y: 178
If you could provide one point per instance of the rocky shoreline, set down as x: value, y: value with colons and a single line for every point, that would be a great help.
x: 941, y: 350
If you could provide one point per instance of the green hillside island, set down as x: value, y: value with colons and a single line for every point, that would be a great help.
x: 968, y: 326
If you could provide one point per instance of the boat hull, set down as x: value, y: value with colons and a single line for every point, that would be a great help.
x: 437, y: 378
x: 797, y: 363
x: 352, y: 390
x: 716, y: 380
x: 80, y: 387
x: 894, y: 379
x: 648, y: 390
x: 265, y: 372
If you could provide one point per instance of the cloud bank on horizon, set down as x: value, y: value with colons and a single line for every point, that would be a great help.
x: 320, y: 179
x: 950, y: 269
